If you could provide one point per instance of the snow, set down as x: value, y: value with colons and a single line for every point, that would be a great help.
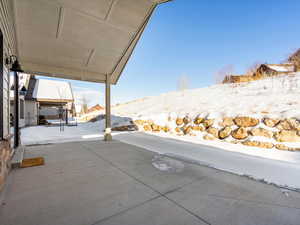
x: 82, y: 132
x: 273, y: 97
x: 52, y: 89
x: 284, y: 172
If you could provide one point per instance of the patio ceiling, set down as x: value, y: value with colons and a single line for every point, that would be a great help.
x: 80, y: 40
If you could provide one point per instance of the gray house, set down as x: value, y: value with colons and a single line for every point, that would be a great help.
x: 47, y: 98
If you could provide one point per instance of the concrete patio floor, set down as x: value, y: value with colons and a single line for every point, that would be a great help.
x: 96, y: 183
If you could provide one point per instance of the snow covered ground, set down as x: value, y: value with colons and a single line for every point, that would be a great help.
x: 282, y: 169
x: 277, y: 97
x: 82, y: 132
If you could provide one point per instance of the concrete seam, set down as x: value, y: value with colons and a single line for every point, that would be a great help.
x: 160, y: 194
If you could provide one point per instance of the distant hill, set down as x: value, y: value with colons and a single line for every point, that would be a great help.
x: 277, y: 96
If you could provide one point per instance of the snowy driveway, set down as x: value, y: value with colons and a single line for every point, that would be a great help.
x: 282, y: 173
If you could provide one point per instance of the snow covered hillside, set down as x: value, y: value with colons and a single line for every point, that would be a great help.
x: 263, y: 113
x: 276, y: 97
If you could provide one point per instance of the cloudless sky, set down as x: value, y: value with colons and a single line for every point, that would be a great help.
x: 196, y: 38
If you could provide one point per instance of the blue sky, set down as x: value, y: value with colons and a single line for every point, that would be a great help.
x: 196, y: 38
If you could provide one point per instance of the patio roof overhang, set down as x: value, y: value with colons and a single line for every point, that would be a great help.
x: 80, y: 40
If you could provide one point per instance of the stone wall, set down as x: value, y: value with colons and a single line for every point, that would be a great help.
x: 257, y: 132
x: 5, y: 159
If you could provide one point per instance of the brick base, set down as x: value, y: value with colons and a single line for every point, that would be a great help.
x: 5, y: 161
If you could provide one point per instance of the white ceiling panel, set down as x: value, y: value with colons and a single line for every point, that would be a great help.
x: 129, y: 13
x: 97, y: 8
x: 79, y: 39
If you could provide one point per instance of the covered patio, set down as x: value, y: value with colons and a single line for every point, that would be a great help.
x: 116, y: 183
x: 89, y: 41
x: 108, y: 181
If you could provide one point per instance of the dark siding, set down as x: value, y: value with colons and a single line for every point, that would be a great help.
x: 30, y: 89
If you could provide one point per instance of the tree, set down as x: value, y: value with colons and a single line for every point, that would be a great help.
x: 183, y: 83
x: 84, y: 104
x: 295, y: 59
x: 220, y: 75
x: 252, y: 68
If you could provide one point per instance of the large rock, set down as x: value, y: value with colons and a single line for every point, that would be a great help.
x: 261, y: 132
x: 139, y: 122
x: 240, y: 133
x: 225, y: 132
x: 282, y: 147
x: 294, y: 124
x: 245, y: 121
x: 131, y: 127
x: 147, y: 127
x: 208, y: 122
x: 186, y: 120
x: 156, y: 128
x: 258, y: 144
x: 187, y: 130
x: 179, y: 121
x: 213, y: 131
x: 271, y: 122
x: 209, y: 137
x: 198, y: 120
x: 178, y: 130
x: 289, y: 124
x: 284, y: 125
x: 166, y: 129
x: 199, y: 128
x: 287, y: 136
x: 286, y: 148
x: 227, y: 121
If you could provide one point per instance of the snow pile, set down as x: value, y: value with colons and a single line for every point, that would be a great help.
x: 83, y: 131
x: 276, y: 97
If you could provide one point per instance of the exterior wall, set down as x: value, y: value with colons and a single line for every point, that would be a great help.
x: 9, y: 48
x: 238, y: 79
x: 31, y: 113
x: 22, y: 109
x: 5, y: 158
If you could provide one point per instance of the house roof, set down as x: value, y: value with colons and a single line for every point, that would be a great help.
x: 95, y: 108
x: 281, y: 67
x: 52, y: 90
x: 76, y: 39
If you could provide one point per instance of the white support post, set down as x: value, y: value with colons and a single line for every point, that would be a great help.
x: 107, y: 135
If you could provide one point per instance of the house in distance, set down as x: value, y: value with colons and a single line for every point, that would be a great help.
x: 41, y: 98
